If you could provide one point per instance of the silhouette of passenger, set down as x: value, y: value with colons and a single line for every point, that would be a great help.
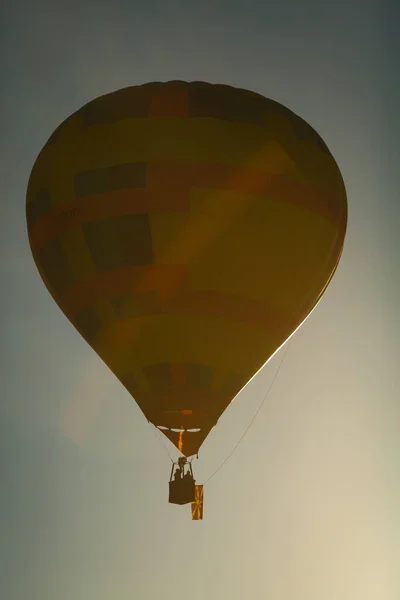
x: 187, y: 477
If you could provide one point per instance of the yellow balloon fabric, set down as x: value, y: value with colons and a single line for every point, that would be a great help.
x: 186, y: 230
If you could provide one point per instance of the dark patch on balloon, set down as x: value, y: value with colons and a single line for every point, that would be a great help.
x: 119, y: 242
x: 39, y: 206
x: 220, y: 102
x: 134, y: 234
x: 159, y: 376
x: 88, y: 323
x: 91, y: 182
x: 54, y: 264
x: 117, y: 177
x: 128, y: 175
x: 199, y: 376
x: 128, y: 103
x: 306, y: 132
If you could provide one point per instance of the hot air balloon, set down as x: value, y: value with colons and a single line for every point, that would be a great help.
x: 186, y: 230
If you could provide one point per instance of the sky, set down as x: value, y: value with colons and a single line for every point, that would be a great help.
x: 307, y: 507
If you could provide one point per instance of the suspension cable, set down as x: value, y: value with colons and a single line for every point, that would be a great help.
x: 158, y: 434
x: 254, y: 416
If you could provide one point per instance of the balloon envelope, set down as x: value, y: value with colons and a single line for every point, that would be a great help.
x: 186, y: 230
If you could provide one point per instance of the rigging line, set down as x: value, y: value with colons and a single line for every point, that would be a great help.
x: 159, y: 436
x: 254, y: 417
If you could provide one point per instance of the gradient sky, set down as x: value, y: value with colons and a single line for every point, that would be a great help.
x: 307, y: 508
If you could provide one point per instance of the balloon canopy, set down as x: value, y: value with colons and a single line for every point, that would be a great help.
x: 185, y: 230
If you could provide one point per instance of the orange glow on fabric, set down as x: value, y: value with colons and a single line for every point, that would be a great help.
x: 197, y: 505
x: 180, y: 442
